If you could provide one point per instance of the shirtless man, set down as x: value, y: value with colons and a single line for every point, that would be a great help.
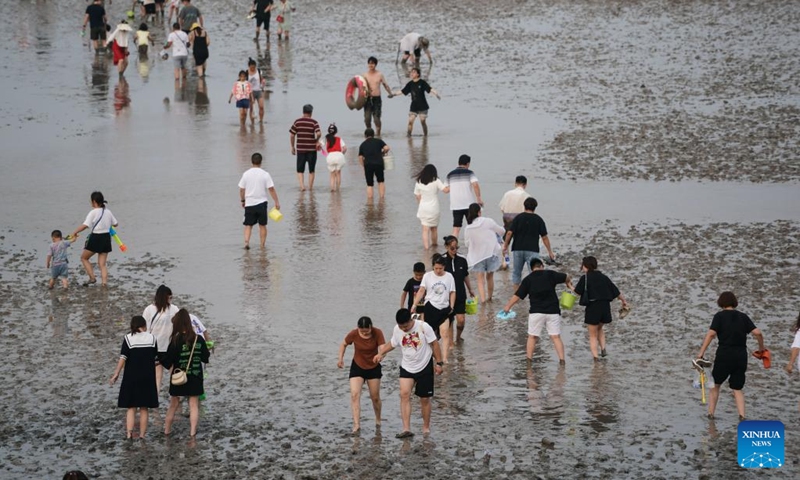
x: 372, y: 109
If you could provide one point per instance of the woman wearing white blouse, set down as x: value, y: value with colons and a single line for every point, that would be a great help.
x: 483, y: 256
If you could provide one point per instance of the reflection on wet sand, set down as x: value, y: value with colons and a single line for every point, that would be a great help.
x: 98, y: 81
x: 143, y: 67
x: 122, y: 98
x: 260, y: 277
x: 546, y: 402
x: 201, y: 101
x: 418, y: 156
x: 285, y: 62
x: 601, y: 401
x: 306, y: 219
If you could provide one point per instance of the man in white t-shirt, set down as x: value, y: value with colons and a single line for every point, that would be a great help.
x: 439, y: 290
x: 417, y: 368
x: 513, y: 201
x: 464, y: 191
x: 412, y: 46
x: 253, y: 188
x: 179, y: 42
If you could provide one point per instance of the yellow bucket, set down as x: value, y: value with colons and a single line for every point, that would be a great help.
x: 472, y: 306
x: 275, y: 215
x: 567, y: 300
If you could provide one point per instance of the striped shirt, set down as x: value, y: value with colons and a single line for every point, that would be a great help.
x: 306, y: 129
x: 460, y: 182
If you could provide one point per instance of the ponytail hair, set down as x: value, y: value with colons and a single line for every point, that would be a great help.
x: 97, y: 197
x: 473, y: 213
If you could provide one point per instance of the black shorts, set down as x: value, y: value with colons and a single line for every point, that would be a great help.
x: 423, y: 379
x: 306, y: 157
x: 460, y: 306
x: 417, y: 52
x: 730, y: 364
x: 98, y: 33
x: 458, y: 217
x: 263, y: 19
x: 256, y: 214
x: 98, y: 243
x: 435, y: 317
x: 162, y: 2
x: 150, y: 8
x: 598, y: 312
x: 373, y: 107
x: 372, y: 170
x: 371, y: 374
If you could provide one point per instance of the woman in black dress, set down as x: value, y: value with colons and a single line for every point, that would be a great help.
x: 138, y: 389
x: 187, y: 351
x: 199, y: 41
x: 600, y: 292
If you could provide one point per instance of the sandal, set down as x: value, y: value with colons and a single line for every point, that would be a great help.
x: 90, y: 282
x: 405, y: 434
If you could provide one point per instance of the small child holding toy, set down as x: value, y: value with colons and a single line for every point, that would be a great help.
x: 58, y: 259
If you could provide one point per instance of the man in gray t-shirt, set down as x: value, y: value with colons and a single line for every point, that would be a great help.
x: 189, y: 15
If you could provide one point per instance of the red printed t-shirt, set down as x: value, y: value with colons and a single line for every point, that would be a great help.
x: 306, y: 129
x: 366, y: 348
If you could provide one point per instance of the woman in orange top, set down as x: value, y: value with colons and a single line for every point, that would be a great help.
x: 366, y: 340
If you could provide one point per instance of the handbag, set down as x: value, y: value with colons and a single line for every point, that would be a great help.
x: 584, y: 301
x: 86, y: 243
x: 279, y: 19
x: 178, y: 376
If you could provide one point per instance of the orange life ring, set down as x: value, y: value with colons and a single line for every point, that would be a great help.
x: 355, y: 95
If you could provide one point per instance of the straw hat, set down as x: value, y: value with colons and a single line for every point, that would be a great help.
x: 194, y: 26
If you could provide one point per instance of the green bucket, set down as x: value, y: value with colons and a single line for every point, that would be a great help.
x: 472, y: 306
x: 567, y: 300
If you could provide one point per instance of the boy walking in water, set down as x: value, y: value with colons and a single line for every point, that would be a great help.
x: 253, y: 188
x: 417, y: 368
x: 58, y: 259
x: 373, y: 107
x: 410, y: 290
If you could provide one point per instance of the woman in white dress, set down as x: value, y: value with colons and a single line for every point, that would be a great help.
x: 427, y: 192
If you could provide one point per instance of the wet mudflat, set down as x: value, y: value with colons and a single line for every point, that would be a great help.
x: 675, y: 122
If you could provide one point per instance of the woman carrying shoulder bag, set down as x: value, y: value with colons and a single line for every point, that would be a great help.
x: 187, y: 352
x: 596, y: 292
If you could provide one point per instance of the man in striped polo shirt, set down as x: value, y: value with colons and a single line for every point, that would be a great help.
x: 464, y: 190
x: 306, y: 130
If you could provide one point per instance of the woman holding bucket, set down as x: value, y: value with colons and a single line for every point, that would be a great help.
x: 599, y: 291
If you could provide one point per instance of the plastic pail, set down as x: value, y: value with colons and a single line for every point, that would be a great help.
x: 471, y: 307
x: 275, y: 215
x: 567, y: 300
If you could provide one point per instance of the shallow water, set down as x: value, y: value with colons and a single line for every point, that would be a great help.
x: 514, y: 83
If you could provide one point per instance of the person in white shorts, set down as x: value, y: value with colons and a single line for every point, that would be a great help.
x: 545, y: 311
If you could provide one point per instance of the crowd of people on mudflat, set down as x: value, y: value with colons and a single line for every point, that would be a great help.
x: 430, y: 321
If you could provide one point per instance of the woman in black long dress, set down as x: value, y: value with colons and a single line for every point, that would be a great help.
x: 600, y: 291
x: 187, y: 351
x: 138, y: 389
x: 199, y: 41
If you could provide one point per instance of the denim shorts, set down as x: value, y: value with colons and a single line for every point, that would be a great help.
x: 491, y: 264
x: 59, y: 270
x: 180, y: 61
